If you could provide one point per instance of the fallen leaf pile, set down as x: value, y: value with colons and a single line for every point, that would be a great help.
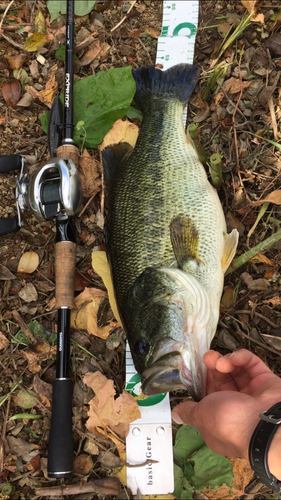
x: 107, y: 413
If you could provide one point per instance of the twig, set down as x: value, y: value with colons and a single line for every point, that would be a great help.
x: 146, y: 50
x: 259, y: 315
x: 273, y: 118
x: 104, y: 486
x: 124, y: 18
x: 261, y: 247
x: 8, y: 39
x: 235, y: 110
x: 261, y: 344
x: 5, y: 13
x: 3, y: 433
x: 24, y: 327
x: 87, y: 204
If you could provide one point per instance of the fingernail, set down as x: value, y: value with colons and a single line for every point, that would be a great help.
x: 176, y: 418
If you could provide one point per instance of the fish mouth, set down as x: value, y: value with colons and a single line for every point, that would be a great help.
x: 168, y: 371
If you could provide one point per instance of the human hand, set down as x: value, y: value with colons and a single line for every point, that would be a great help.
x: 239, y: 386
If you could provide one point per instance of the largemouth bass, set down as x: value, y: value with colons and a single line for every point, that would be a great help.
x: 166, y: 238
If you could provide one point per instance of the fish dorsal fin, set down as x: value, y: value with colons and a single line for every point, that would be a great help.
x: 112, y: 158
x: 185, y: 239
x: 230, y: 245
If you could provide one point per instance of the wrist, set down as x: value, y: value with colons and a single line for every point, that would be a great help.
x: 274, y: 455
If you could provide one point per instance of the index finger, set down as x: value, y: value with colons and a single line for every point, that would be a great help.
x: 244, y: 366
x: 218, y: 380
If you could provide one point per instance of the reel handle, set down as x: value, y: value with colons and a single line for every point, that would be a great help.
x: 9, y: 225
x: 8, y: 163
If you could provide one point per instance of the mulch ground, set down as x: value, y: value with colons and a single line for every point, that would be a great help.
x: 238, y: 114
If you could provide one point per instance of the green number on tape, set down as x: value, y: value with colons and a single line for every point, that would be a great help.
x: 191, y: 27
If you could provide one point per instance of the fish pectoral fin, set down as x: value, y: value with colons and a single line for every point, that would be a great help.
x: 230, y: 245
x: 184, y: 237
x: 112, y: 159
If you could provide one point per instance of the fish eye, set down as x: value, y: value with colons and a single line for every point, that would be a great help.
x: 141, y: 347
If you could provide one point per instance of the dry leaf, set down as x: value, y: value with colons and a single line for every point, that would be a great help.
x: 4, y: 342
x: 11, y: 92
x: 272, y: 340
x: 28, y: 293
x: 275, y: 301
x: 243, y: 474
x: 259, y: 284
x: 83, y: 464
x: 40, y: 23
x: 25, y: 399
x: 152, y: 32
x: 202, y: 115
x: 37, y: 353
x: 259, y: 18
x: 109, y: 460
x: 263, y: 259
x: 5, y: 273
x: 91, y: 54
x: 250, y: 5
x: 34, y: 70
x: 25, y: 101
x: 122, y: 131
x: 135, y: 34
x: 48, y: 94
x: 16, y: 62
x: 227, y: 300
x: 22, y: 449
x: 101, y: 267
x: 34, y: 42
x: 89, y: 173
x: 234, y: 223
x: 234, y: 85
x: 274, y: 197
x: 43, y: 391
x: 101, y: 431
x: 105, y: 411
x: 84, y: 317
x: 29, y: 261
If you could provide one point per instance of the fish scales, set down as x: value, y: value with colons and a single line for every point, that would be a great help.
x: 166, y: 238
x: 161, y: 179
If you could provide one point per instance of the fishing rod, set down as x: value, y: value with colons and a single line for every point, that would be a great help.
x: 60, y: 451
x: 54, y: 191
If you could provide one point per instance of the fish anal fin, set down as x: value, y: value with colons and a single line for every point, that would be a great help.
x: 112, y: 158
x: 185, y: 240
x: 230, y: 245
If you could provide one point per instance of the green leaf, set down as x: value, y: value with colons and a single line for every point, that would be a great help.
x: 25, y: 399
x: 211, y: 470
x: 134, y: 113
x: 58, y: 7
x: 38, y: 331
x: 60, y: 53
x: 100, y: 100
x: 188, y: 440
x: 44, y: 119
x: 183, y: 489
x: 28, y: 416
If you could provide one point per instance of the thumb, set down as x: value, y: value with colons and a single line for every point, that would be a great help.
x: 184, y: 413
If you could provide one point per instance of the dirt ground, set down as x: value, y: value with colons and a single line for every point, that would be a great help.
x: 237, y: 108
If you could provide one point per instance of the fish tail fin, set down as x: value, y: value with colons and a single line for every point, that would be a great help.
x: 174, y: 84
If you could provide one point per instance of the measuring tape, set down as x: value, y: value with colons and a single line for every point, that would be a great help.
x: 150, y: 437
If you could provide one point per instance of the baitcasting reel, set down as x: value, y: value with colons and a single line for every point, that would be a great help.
x: 52, y: 190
